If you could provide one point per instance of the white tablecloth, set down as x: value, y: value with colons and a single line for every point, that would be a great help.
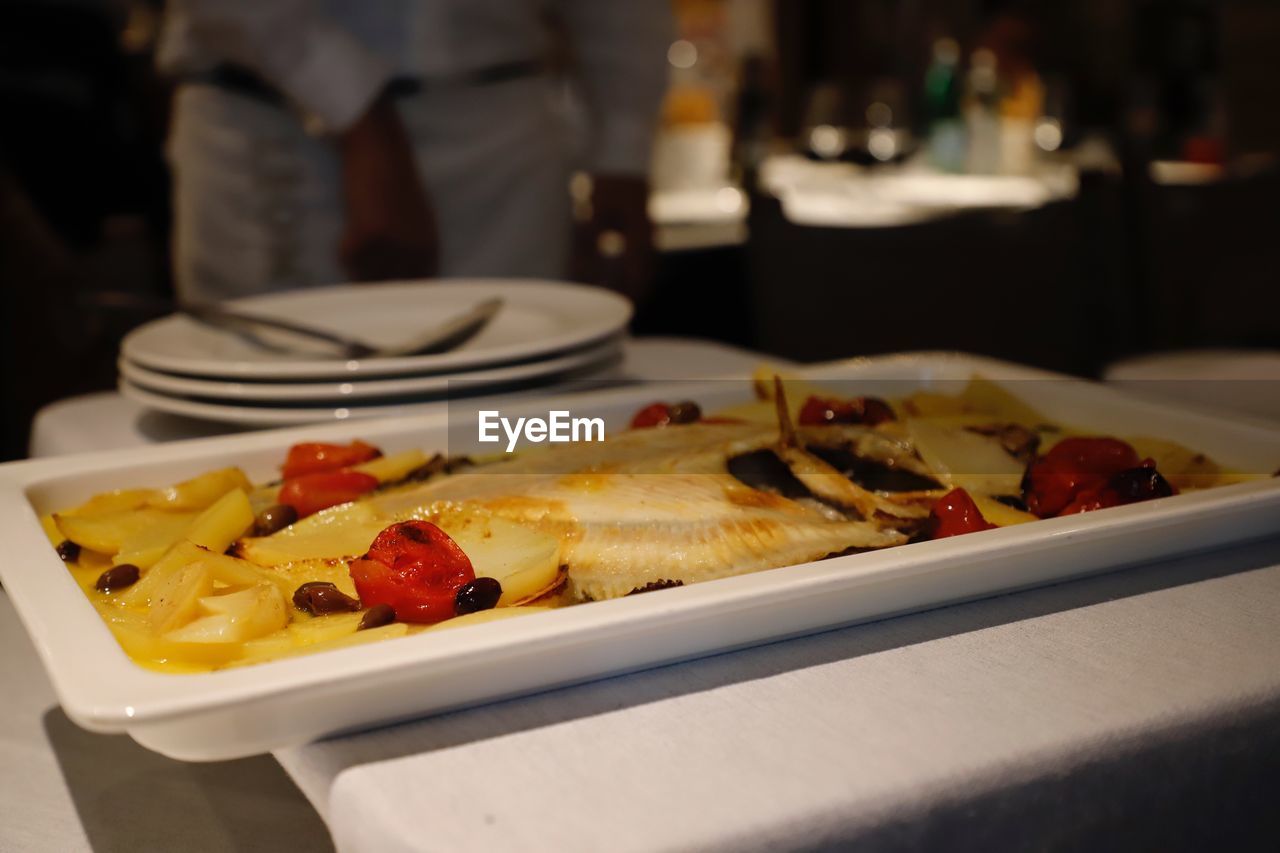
x: 1135, y: 709
x: 1142, y: 704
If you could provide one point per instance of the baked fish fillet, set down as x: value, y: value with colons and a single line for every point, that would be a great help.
x: 646, y: 507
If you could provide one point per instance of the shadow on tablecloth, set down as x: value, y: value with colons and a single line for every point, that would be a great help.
x: 131, y: 799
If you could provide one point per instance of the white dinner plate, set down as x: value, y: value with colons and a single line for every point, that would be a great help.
x: 248, y: 413
x: 537, y: 318
x: 245, y: 710
x: 1220, y: 380
x: 342, y: 392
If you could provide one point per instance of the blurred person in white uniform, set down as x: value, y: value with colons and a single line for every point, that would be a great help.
x: 322, y: 141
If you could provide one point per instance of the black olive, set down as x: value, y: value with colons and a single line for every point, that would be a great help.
x: 684, y: 412
x: 377, y: 616
x: 321, y: 597
x: 68, y: 551
x: 1140, y: 484
x: 117, y: 577
x: 479, y: 594
x: 273, y: 518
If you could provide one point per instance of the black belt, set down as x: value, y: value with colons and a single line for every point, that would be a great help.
x: 242, y: 81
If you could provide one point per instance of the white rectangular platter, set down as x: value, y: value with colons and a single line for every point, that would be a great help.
x: 248, y: 710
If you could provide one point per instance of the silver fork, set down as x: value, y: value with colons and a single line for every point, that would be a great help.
x: 448, y: 335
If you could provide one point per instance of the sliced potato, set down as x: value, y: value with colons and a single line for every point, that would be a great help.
x: 990, y: 398
x: 975, y: 462
x: 294, y: 575
x: 235, y: 617
x: 176, y: 602
x: 142, y: 644
x: 107, y: 532
x: 119, y: 500
x: 928, y: 404
x: 145, y: 548
x: 1000, y: 514
x: 175, y: 560
x: 525, y: 561
x: 225, y: 521
x: 389, y: 469
x: 321, y: 629
x: 1182, y: 467
x: 273, y: 647
x: 202, y: 491
x: 489, y: 616
x: 51, y: 530
x: 344, y: 532
x: 235, y: 573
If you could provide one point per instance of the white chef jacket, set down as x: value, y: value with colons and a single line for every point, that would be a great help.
x: 332, y: 57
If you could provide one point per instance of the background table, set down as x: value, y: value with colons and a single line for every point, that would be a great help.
x: 1139, y: 708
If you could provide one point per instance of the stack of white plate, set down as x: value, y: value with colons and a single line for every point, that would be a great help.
x: 546, y: 332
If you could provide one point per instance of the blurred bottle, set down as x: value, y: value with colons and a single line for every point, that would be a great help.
x: 1050, y: 132
x: 946, y: 129
x: 825, y: 131
x: 982, y: 113
x: 1021, y: 106
x: 752, y: 121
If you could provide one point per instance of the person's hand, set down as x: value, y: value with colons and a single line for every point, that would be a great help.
x: 390, y: 228
x: 613, y: 242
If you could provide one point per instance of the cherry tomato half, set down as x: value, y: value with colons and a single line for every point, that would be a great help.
x: 311, y: 457
x: 415, y: 568
x: 1071, y: 468
x: 652, y: 415
x: 869, y: 411
x: 1132, y: 485
x: 310, y: 493
x: 955, y: 513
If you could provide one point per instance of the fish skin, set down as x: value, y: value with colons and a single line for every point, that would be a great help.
x: 646, y: 506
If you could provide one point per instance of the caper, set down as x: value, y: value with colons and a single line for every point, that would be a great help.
x: 117, y: 577
x: 321, y: 597
x: 479, y: 594
x: 273, y: 518
x: 377, y: 616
